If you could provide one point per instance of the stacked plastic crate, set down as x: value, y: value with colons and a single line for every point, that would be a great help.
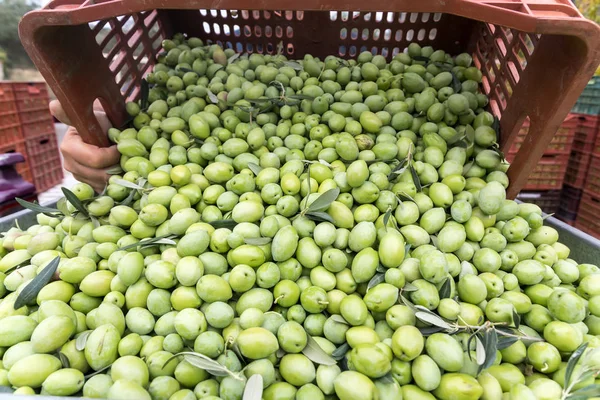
x: 37, y: 127
x: 546, y: 180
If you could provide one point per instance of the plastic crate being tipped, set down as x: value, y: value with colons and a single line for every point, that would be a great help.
x: 101, y: 49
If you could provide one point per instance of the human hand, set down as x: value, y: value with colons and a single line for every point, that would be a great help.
x: 85, y: 161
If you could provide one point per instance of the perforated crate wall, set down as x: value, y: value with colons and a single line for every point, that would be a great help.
x: 561, y: 143
x: 44, y: 161
x: 587, y: 217
x: 548, y: 174
x: 548, y: 200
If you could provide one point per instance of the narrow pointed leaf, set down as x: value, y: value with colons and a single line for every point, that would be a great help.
x: 233, y: 58
x: 376, y: 280
x: 516, y: 319
x: 127, y: 184
x: 456, y: 85
x: 147, y: 242
x: 409, y: 287
x: 320, y: 216
x: 223, y: 223
x: 293, y: 64
x: 82, y: 340
x: 506, y: 341
x: 30, y: 292
x: 323, y: 202
x: 339, y: 319
x: 74, y: 200
x: 386, y: 217
x: 381, y: 269
x: 201, y: 361
x: 254, y: 388
x: 432, y: 319
x: 61, y: 204
x: 430, y: 330
x: 479, y: 351
x: 254, y: 168
x: 587, y: 392
x: 101, y: 370
x: 402, y: 196
x: 416, y: 179
x: 37, y: 208
x: 212, y: 97
x: 446, y: 289
x: 421, y: 58
x: 491, y: 343
x: 496, y: 126
x: 64, y: 360
x: 260, y: 241
x: 144, y: 92
x: 316, y: 354
x: 573, y: 360
x: 340, y: 352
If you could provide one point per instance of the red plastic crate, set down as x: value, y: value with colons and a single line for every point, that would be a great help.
x: 31, y: 95
x: 561, y: 142
x: 44, y: 160
x: 38, y: 128
x: 548, y: 200
x: 7, y: 98
x: 586, y: 133
x: 592, y: 182
x: 11, y: 133
x: 587, y: 217
x: 577, y: 169
x: 570, y: 198
x: 548, y: 174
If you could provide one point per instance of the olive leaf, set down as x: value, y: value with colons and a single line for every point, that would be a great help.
x: 325, y: 163
x: 101, y: 370
x: 431, y: 318
x: 434, y: 240
x: 415, y: 178
x: 51, y: 212
x: 446, y: 289
x: 127, y: 184
x: 516, y: 318
x: 184, y: 69
x: 259, y: 241
x: 398, y: 170
x: 467, y: 167
x: 320, y: 216
x: 386, y: 217
x: 212, y: 97
x: 148, y: 242
x: 421, y: 58
x: 294, y: 65
x: 381, y: 269
x: 165, y: 241
x: 339, y: 319
x: 456, y: 85
x: 430, y: 330
x: 233, y: 58
x: 280, y: 353
x: 406, y: 249
x: 403, y: 196
x: 64, y: 360
x: 573, y: 360
x: 376, y: 280
x: 223, y: 223
x: 206, y: 363
x: 506, y: 341
x: 316, y: 354
x: 254, y: 168
x: 496, y: 126
x: 323, y: 202
x: 409, y: 287
x: 479, y: 351
x: 74, y: 200
x: 81, y: 340
x: 585, y: 393
x: 144, y: 92
x: 6, y: 389
x: 254, y: 388
x: 340, y: 352
x: 490, y: 342
x: 32, y: 289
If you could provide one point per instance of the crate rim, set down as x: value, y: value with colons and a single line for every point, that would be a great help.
x: 566, y: 29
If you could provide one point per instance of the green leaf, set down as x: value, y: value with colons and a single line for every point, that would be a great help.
x: 479, y: 351
x: 64, y: 360
x: 467, y: 167
x: 259, y: 241
x: 203, y: 362
x: 587, y: 392
x: 233, y: 58
x: 506, y: 341
x: 421, y: 58
x: 339, y: 319
x: 323, y: 202
x: 516, y: 318
x: 430, y: 330
x: 165, y: 241
x: 144, y: 92
x: 402, y: 196
x: 101, y: 370
x: 38, y: 208
x: 148, y: 242
x: 376, y: 280
x: 432, y: 319
x: 61, y: 204
x: 381, y: 269
x: 82, y: 340
x: 434, y: 240
x: 415, y: 178
x: 254, y: 168
x: 115, y: 170
x: 398, y: 170
x: 573, y: 360
x: 456, y: 85
x: 386, y: 217
x: 254, y: 388
x: 491, y: 345
x: 223, y: 223
x: 129, y: 199
x: 127, y: 184
x: 409, y: 287
x: 293, y: 64
x: 340, y: 352
x: 74, y: 200
x: 315, y: 353
x: 320, y: 216
x: 212, y: 97
x: 496, y: 126
x: 446, y: 289
x: 32, y: 289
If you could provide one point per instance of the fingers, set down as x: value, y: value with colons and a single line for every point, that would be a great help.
x: 75, y: 149
x: 57, y: 110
